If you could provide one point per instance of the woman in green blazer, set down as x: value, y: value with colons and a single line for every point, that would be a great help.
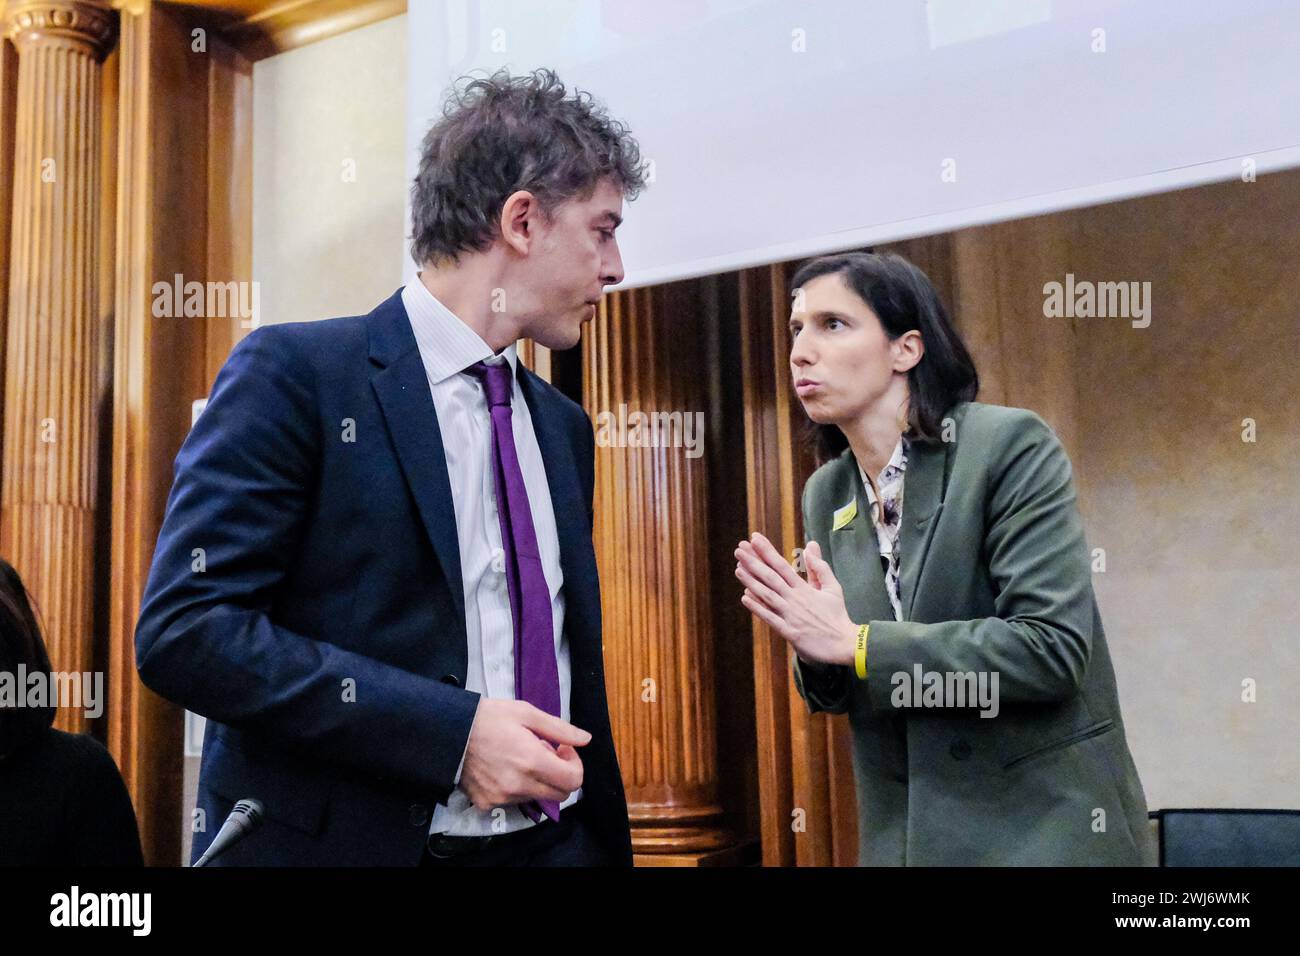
x: 948, y: 607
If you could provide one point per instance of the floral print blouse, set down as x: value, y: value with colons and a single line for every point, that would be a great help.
x: 887, y: 516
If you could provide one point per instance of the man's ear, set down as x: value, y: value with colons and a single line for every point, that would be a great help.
x: 908, y: 350
x: 520, y: 215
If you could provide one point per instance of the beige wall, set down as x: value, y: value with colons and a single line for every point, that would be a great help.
x: 1202, y: 583
x: 324, y: 246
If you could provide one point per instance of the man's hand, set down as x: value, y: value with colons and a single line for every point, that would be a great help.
x: 810, y: 614
x: 509, y: 760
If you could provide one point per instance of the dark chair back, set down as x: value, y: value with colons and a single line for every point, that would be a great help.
x: 1229, y: 837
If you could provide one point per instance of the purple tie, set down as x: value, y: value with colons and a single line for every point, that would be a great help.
x: 537, y: 677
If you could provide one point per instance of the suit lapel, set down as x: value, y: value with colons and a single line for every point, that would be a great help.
x: 922, y: 502
x: 856, y: 547
x: 402, y: 388
x: 854, y: 550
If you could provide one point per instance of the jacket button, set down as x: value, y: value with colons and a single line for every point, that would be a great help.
x: 960, y: 749
x: 419, y: 815
x: 451, y: 679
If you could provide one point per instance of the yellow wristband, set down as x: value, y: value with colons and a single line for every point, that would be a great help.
x: 860, y: 656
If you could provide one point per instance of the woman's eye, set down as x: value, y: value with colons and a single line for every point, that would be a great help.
x: 833, y: 322
x: 606, y: 234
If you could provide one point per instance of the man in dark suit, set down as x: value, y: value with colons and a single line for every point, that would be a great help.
x: 375, y: 576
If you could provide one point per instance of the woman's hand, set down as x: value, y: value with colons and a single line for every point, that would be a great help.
x: 809, y: 614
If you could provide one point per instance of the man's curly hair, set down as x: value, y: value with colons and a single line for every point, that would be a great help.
x: 503, y: 133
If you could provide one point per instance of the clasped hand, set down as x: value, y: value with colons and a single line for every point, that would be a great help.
x: 517, y: 753
x: 809, y: 614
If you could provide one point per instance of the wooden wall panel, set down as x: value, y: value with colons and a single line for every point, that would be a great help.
x: 719, y: 321
x: 229, y: 191
x: 536, y: 357
x: 105, y: 361
x: 805, y: 773
x: 1024, y: 359
x: 183, y: 208
x: 766, y: 458
x: 8, y: 112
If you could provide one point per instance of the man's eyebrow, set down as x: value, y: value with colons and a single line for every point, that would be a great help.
x: 613, y: 217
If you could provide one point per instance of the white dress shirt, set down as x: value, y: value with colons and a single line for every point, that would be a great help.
x: 448, y: 347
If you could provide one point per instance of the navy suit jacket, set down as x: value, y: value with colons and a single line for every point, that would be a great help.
x: 306, y: 596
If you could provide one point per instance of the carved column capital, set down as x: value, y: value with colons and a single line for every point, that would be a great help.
x: 86, y: 25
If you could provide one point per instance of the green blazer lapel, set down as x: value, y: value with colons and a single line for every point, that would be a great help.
x: 922, y: 502
x: 853, y: 549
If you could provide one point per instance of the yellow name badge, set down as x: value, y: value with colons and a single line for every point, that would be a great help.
x: 844, y: 515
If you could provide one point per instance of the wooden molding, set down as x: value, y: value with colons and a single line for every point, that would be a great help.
x: 261, y: 28
x: 296, y: 23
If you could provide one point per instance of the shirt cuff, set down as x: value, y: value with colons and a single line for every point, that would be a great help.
x: 461, y: 767
x: 456, y: 782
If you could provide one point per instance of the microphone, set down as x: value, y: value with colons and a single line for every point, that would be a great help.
x: 244, y: 820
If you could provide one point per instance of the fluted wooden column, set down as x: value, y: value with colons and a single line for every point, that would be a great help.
x: 652, y: 539
x: 54, y: 385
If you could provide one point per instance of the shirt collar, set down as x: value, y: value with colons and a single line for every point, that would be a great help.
x: 447, y: 344
x: 897, y: 460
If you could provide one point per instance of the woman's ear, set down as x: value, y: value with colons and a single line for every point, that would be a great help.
x: 908, y: 349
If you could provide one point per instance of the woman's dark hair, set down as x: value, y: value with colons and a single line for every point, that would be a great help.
x: 20, y: 643
x: 502, y: 133
x: 903, y: 298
